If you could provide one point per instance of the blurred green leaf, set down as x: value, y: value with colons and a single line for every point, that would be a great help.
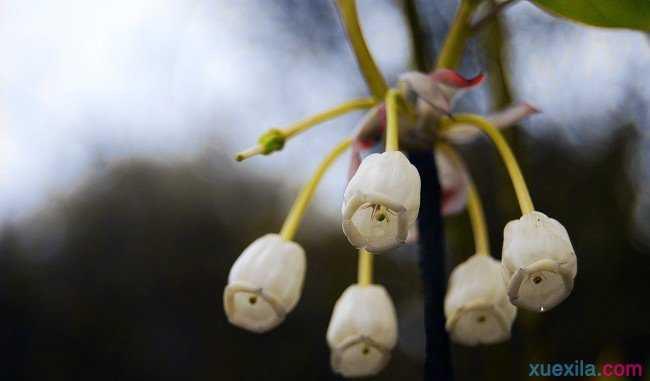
x: 631, y: 14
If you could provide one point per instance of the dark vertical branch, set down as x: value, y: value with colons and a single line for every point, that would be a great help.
x: 437, y: 364
x: 432, y: 267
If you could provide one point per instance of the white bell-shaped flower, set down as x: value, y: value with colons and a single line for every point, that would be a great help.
x: 381, y: 202
x: 265, y: 283
x: 477, y: 307
x: 538, y: 261
x: 362, y: 331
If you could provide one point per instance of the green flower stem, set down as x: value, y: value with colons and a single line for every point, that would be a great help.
x: 521, y: 190
x: 374, y: 79
x: 292, y: 222
x: 365, y: 268
x: 274, y: 139
x: 452, y: 50
x: 343, y: 108
x: 392, y: 120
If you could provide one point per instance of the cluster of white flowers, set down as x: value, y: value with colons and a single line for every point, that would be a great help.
x: 380, y: 206
x: 536, y: 273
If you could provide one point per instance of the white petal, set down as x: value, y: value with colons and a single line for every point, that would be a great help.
x: 362, y: 331
x: 429, y: 92
x: 538, y: 261
x: 389, y: 180
x: 376, y: 234
x: 540, y: 286
x: 360, y: 358
x: 511, y: 115
x: 249, y: 308
x: 265, y: 283
x: 476, y: 305
x: 464, y: 133
x: 453, y: 184
x: 436, y: 91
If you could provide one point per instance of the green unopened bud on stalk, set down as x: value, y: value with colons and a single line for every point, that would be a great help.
x: 272, y: 140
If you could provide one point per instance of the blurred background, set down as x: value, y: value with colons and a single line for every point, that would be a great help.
x: 122, y: 210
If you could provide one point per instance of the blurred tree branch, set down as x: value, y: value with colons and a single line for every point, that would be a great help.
x: 423, y: 57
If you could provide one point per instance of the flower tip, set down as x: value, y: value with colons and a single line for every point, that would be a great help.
x: 250, y: 152
x: 452, y: 78
x: 540, y: 287
x: 531, y: 109
x: 480, y: 326
x: 475, y: 80
x: 250, y: 309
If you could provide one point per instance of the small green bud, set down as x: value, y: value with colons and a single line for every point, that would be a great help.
x: 272, y: 140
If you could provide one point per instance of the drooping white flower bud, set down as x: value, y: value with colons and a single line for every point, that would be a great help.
x: 538, y: 261
x: 477, y: 307
x: 362, y: 331
x: 265, y: 283
x: 381, y: 202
